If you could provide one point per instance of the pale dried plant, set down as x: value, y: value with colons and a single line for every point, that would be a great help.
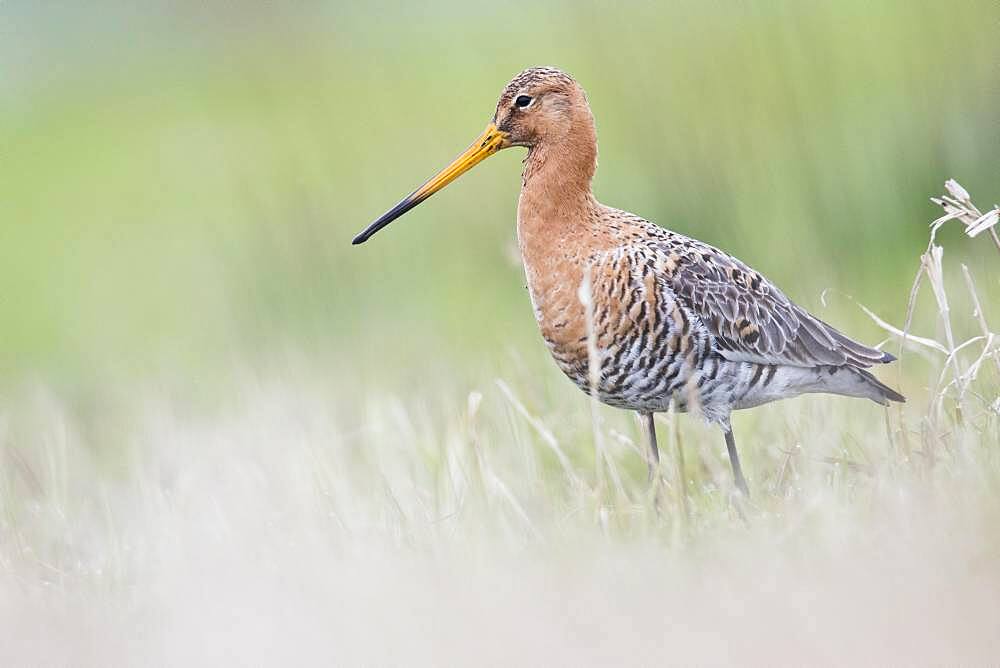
x: 585, y: 294
x: 961, y: 361
x: 957, y: 205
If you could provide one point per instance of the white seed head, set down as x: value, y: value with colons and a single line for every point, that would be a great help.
x: 956, y: 190
x: 988, y: 220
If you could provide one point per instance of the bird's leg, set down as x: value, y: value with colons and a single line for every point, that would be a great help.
x: 734, y: 459
x: 652, y: 452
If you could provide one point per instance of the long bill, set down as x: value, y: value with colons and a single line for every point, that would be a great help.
x: 491, y: 141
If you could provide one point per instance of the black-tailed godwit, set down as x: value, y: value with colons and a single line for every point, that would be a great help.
x: 645, y: 317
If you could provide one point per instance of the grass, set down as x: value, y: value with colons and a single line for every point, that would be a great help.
x: 439, y: 528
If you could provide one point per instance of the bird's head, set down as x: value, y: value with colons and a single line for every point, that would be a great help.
x: 539, y: 105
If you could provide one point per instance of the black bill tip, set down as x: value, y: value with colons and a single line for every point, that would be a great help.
x: 386, y: 218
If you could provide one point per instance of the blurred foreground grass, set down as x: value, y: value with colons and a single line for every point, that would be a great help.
x: 280, y: 528
x: 228, y: 436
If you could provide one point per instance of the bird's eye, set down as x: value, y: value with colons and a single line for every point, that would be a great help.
x: 522, y: 101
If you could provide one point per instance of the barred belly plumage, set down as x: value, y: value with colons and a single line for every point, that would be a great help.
x: 645, y: 381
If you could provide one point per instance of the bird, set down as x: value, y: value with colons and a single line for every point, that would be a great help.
x: 642, y: 317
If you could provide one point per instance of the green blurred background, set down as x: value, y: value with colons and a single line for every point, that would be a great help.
x: 179, y: 183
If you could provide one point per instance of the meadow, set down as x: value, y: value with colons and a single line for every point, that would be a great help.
x: 229, y: 437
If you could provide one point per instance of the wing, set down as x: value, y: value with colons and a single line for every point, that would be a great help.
x: 751, y: 319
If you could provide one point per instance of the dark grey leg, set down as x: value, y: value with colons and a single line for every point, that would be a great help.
x: 653, y: 454
x: 734, y: 459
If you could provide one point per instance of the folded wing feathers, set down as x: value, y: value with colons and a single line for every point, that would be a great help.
x: 786, y: 333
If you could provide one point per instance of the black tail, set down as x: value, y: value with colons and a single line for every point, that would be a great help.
x: 881, y: 393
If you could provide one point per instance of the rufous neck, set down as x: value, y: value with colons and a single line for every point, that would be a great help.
x: 560, y: 171
x: 556, y: 202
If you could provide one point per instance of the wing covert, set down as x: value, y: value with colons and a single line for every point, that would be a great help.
x: 750, y: 317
